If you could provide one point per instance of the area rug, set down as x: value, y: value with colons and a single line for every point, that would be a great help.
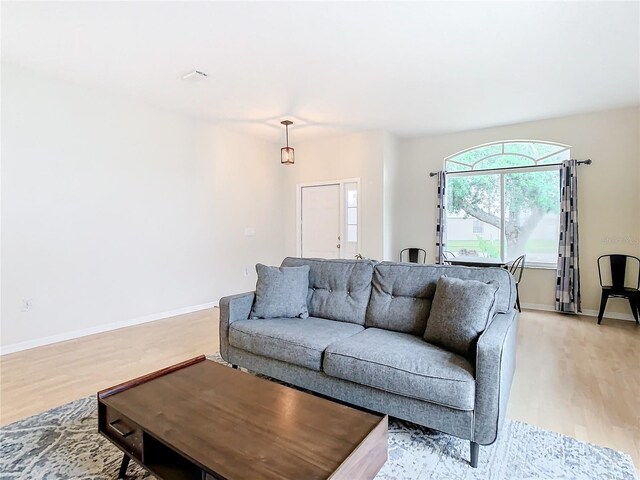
x: 63, y: 443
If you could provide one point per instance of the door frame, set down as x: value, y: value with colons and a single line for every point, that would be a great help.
x: 343, y: 207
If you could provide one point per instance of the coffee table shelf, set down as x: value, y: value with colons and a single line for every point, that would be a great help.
x: 164, y: 462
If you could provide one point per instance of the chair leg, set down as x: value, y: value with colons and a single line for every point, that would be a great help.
x: 603, y: 305
x: 518, y: 298
x: 475, y: 451
x: 633, y: 302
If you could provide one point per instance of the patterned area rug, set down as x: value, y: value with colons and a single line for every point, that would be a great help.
x: 64, y: 443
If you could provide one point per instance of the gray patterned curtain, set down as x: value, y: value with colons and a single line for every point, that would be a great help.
x: 568, y: 278
x: 441, y: 235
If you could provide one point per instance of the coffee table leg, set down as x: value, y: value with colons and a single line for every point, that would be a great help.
x: 123, y: 467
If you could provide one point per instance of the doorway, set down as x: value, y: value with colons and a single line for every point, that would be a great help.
x: 328, y: 219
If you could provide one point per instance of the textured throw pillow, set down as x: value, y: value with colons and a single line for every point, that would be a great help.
x: 281, y: 292
x: 460, y: 312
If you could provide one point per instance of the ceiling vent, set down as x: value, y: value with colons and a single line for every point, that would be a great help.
x: 195, y: 76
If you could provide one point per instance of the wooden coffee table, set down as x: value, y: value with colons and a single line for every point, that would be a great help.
x: 203, y: 420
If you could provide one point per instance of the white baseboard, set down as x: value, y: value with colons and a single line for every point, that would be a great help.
x: 588, y: 313
x: 61, y: 337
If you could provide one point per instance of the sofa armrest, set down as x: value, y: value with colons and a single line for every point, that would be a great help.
x: 232, y: 308
x: 495, y: 366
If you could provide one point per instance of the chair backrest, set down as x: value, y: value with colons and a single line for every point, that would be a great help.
x: 618, y: 264
x: 413, y: 255
x: 517, y: 267
x: 449, y: 254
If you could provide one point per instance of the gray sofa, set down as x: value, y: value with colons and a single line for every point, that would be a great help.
x: 362, y: 344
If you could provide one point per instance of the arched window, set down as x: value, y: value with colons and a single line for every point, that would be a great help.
x: 503, y: 200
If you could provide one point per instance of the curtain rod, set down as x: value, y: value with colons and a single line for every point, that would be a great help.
x: 588, y: 161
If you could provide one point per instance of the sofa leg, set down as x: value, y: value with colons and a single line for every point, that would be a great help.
x: 235, y: 367
x: 475, y: 450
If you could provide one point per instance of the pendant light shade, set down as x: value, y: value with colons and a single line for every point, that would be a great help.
x: 287, y: 156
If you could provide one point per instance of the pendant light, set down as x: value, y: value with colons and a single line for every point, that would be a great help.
x: 286, y: 153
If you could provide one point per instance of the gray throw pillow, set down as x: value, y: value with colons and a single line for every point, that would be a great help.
x: 281, y: 292
x: 460, y: 311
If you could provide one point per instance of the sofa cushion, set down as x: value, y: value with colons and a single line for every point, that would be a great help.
x: 403, y: 364
x: 292, y: 340
x: 281, y: 292
x: 400, y: 298
x: 338, y: 289
x: 402, y: 293
x: 460, y: 312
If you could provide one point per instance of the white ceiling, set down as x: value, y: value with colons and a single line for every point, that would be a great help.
x: 409, y: 68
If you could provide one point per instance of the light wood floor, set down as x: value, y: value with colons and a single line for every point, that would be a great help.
x: 579, y: 379
x: 36, y: 380
x: 572, y: 376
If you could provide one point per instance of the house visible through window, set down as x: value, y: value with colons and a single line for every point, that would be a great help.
x: 503, y: 201
x: 478, y: 226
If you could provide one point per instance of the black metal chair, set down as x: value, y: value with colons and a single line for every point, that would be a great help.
x: 516, y: 269
x: 448, y: 255
x: 413, y: 255
x: 618, y: 264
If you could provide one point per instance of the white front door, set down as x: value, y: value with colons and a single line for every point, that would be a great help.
x: 320, y: 221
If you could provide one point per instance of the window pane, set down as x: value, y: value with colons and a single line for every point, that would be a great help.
x: 352, y: 198
x: 352, y: 233
x: 556, y: 158
x: 472, y: 156
x: 524, y: 148
x: 352, y: 216
x: 453, y: 166
x: 532, y: 149
x: 504, y: 161
x: 473, y: 216
x: 532, y: 209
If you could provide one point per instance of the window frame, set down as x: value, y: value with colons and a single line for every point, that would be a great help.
x: 507, y: 170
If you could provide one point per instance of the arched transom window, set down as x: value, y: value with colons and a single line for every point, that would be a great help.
x: 503, y: 201
x: 513, y: 153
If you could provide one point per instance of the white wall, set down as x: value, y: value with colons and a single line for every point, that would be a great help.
x: 113, y: 211
x: 358, y: 155
x: 391, y: 182
x: 609, y: 195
